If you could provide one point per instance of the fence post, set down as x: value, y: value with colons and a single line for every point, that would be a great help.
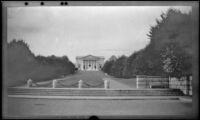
x: 190, y: 92
x: 106, y: 84
x: 188, y: 85
x: 54, y: 83
x: 80, y: 82
x: 29, y: 83
x: 169, y: 82
x: 137, y: 86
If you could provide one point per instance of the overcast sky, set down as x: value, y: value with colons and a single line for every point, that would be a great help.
x: 78, y: 31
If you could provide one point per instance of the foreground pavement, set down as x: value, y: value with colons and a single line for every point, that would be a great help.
x: 182, y: 98
x: 40, y: 107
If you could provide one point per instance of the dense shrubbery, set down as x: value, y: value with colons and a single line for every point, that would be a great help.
x: 169, y: 52
x: 22, y: 64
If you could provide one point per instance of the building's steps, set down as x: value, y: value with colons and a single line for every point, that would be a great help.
x: 93, y: 92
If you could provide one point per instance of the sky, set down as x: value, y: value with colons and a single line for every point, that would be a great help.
x: 83, y: 30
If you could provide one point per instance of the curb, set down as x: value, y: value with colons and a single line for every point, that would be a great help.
x: 96, y: 98
x: 185, y: 99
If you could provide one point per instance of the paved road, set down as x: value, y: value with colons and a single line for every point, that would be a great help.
x: 117, y: 84
x: 62, y: 107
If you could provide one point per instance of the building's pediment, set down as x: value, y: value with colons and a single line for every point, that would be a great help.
x: 90, y: 57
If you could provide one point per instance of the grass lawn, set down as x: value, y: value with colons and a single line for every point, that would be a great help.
x: 94, y: 79
x: 89, y: 78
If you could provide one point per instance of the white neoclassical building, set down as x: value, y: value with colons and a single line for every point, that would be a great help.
x: 89, y: 62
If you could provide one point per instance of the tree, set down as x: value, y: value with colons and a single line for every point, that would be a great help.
x: 118, y: 66
x: 113, y: 58
x: 108, y: 64
x: 172, y: 39
x: 175, y: 61
x: 22, y: 64
x: 169, y: 52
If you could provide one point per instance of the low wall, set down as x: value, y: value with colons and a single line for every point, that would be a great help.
x: 144, y: 81
x: 92, y: 92
x: 184, y: 84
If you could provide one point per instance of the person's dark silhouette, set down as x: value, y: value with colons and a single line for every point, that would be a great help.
x: 93, y: 118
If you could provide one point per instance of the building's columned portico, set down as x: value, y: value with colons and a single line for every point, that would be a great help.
x: 89, y: 63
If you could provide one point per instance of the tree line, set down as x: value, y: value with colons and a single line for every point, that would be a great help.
x: 22, y: 64
x: 169, y: 52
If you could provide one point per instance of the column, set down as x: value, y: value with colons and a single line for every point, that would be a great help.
x: 92, y: 65
x: 86, y: 65
x: 97, y: 66
x: 82, y: 66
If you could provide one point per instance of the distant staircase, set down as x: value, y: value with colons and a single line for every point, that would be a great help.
x: 93, y: 92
